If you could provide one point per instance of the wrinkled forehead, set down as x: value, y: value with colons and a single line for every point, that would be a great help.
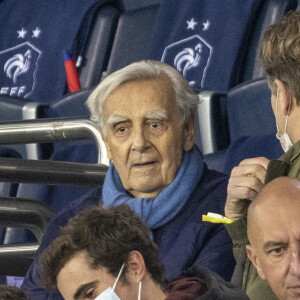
x: 280, y: 223
x: 136, y: 96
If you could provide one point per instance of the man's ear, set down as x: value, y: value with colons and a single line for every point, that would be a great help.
x: 104, y: 138
x: 253, y: 258
x: 136, y: 264
x: 189, y: 134
x: 285, y: 95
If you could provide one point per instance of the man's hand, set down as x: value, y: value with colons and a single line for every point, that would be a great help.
x: 245, y: 181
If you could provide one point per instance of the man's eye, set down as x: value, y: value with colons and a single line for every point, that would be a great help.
x: 277, y: 251
x: 121, y: 130
x: 155, y: 125
x: 90, y: 294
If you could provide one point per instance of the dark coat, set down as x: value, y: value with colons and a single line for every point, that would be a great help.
x: 184, y: 242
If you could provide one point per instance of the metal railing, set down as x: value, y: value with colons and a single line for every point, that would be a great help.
x: 20, y: 170
x: 49, y: 130
x: 29, y: 213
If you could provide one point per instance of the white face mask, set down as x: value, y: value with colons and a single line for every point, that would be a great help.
x: 109, y: 293
x: 284, y: 139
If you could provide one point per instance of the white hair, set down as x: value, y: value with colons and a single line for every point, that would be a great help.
x: 186, y: 99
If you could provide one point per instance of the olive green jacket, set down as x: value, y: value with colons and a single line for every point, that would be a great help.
x: 287, y: 165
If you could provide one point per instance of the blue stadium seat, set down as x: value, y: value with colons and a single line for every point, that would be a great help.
x: 18, y: 109
x: 248, y: 107
x: 97, y: 50
x: 251, y: 146
x: 134, y: 33
x: 214, y: 44
x: 180, y: 24
x: 83, y: 28
x: 249, y: 113
x: 270, y: 12
x: 71, y: 105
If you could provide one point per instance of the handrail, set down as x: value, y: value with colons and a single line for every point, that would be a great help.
x: 20, y: 170
x: 48, y: 130
x: 31, y: 214
x: 16, y: 259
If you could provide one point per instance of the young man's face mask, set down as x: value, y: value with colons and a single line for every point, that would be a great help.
x: 109, y: 293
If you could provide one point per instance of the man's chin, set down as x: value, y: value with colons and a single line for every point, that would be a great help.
x: 145, y: 191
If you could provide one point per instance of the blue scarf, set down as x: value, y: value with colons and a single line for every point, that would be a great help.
x: 156, y: 212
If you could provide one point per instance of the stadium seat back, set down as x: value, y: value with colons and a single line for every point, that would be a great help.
x: 17, y: 109
x: 33, y: 37
x: 99, y: 44
x: 249, y: 113
x: 248, y: 107
x: 249, y: 147
x: 271, y: 12
x: 189, y: 35
x: 134, y: 33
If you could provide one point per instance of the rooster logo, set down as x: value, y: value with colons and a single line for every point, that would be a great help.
x: 191, y: 57
x: 187, y: 59
x: 18, y: 65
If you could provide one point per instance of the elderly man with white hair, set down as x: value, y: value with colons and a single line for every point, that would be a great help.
x: 146, y: 115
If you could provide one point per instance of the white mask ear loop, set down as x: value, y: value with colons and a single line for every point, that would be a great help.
x: 140, y: 290
x: 118, y: 277
x: 290, y: 96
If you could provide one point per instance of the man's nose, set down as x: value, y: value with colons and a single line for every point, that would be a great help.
x: 295, y: 262
x: 139, y: 141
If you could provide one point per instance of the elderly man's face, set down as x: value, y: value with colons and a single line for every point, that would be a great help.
x: 275, y: 248
x: 145, y: 136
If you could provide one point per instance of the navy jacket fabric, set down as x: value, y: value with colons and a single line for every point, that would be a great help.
x: 32, y: 37
x: 184, y: 242
x: 203, y: 40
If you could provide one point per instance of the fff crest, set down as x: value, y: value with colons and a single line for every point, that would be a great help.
x: 191, y: 57
x: 18, y: 66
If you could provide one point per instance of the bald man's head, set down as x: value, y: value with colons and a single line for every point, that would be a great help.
x: 274, y: 236
x: 280, y: 195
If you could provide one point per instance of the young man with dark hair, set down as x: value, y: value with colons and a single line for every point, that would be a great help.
x: 108, y: 253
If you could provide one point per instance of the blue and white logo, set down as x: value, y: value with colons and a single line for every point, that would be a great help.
x: 191, y: 57
x: 19, y: 65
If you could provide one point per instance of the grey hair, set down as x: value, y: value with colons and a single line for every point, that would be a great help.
x: 186, y: 99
